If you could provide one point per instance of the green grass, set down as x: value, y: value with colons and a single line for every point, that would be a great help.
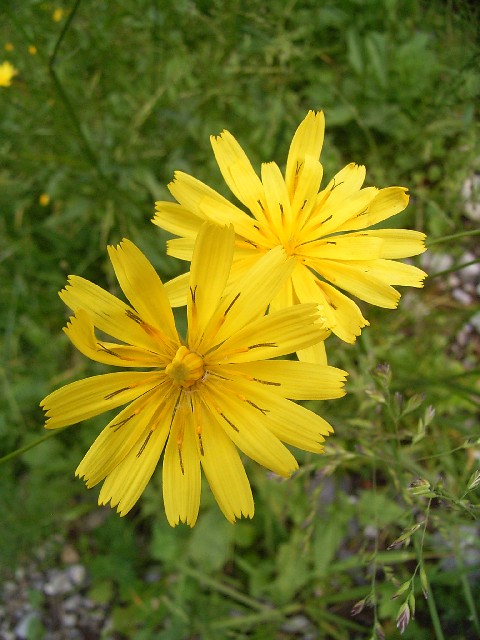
x: 113, y: 102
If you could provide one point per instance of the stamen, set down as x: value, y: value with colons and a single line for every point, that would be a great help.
x: 327, y: 219
x: 193, y: 293
x: 262, y: 344
x: 281, y: 208
x: 264, y: 411
x: 145, y: 442
x: 232, y: 303
x: 229, y: 422
x: 117, y: 425
x: 179, y: 445
x: 115, y: 393
x: 273, y: 384
x: 331, y: 242
x: 109, y: 351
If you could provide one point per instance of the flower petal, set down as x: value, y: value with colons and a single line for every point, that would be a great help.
x: 80, y: 330
x: 181, y: 248
x: 89, y: 397
x: 108, y: 313
x: 177, y: 290
x: 223, y: 467
x: 316, y: 354
x: 144, y: 289
x: 121, y: 435
x: 209, y: 272
x: 238, y: 173
x: 348, y: 320
x: 399, y: 243
x: 387, y: 203
x: 181, y: 469
x: 282, y: 332
x: 177, y: 219
x: 244, y: 425
x: 397, y: 273
x: 249, y: 296
x: 278, y: 202
x: 352, y: 247
x: 126, y: 483
x: 307, y: 141
x: 291, y: 379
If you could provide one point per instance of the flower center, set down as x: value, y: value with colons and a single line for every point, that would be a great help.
x: 186, y: 368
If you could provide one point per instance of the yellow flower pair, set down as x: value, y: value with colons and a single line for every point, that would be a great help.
x: 221, y: 390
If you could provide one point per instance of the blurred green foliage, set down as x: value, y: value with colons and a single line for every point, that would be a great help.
x: 118, y: 96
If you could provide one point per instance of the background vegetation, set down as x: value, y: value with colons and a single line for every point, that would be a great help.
x: 110, y: 99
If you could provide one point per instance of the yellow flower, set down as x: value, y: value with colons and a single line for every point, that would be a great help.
x: 58, y: 14
x: 324, y: 230
x: 200, y: 398
x: 9, y: 46
x: 44, y: 200
x: 32, y: 50
x: 7, y: 72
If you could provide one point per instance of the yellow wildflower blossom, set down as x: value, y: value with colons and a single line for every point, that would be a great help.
x: 32, y: 50
x: 58, y: 14
x: 7, y: 73
x: 202, y: 398
x: 325, y: 230
x: 44, y: 199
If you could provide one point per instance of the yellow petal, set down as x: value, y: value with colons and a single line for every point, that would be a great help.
x: 108, y: 313
x: 277, y: 199
x: 306, y: 190
x: 177, y: 219
x: 181, y: 469
x: 284, y: 297
x: 387, y: 203
x: 181, y: 248
x: 144, y: 289
x: 348, y: 320
x: 282, y: 332
x: 398, y: 273
x: 244, y: 424
x: 291, y: 379
x: 223, y: 467
x: 399, y: 243
x: 80, y: 331
x: 351, y: 247
x: 331, y: 215
x: 177, y: 290
x: 238, y: 173
x: 358, y: 278
x: 119, y: 437
x: 89, y: 397
x: 209, y: 272
x: 126, y: 483
x: 316, y: 353
x: 250, y: 296
x: 307, y: 141
x: 289, y: 422
x: 343, y: 185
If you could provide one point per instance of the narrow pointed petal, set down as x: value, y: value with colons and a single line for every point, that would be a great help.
x: 397, y: 273
x: 277, y: 199
x: 316, y: 354
x: 181, y: 469
x: 244, y: 424
x: 284, y: 297
x: 89, y: 397
x: 80, y: 331
x: 344, y: 184
x: 387, y: 203
x: 238, y: 173
x: 126, y: 483
x: 223, y: 468
x: 250, y: 295
x: 181, y: 248
x: 399, y: 243
x: 306, y: 190
x: 177, y: 290
x: 289, y: 422
x: 210, y: 269
x: 280, y: 333
x: 143, y: 288
x: 352, y: 247
x: 307, y: 141
x: 177, y: 219
x: 292, y: 379
x: 108, y: 313
x: 119, y: 437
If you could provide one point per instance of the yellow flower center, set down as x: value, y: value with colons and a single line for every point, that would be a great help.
x: 186, y: 368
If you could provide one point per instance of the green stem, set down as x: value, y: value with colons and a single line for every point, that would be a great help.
x: 225, y: 589
x: 455, y: 236
x: 457, y: 267
x: 30, y: 445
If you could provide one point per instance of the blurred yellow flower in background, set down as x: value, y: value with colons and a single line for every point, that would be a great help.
x: 58, y: 14
x: 7, y: 73
x: 44, y: 200
x: 203, y: 398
